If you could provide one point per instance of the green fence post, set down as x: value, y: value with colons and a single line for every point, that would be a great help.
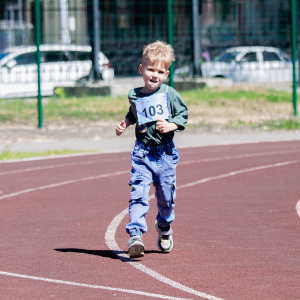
x: 294, y: 53
x: 38, y: 60
x: 170, y: 37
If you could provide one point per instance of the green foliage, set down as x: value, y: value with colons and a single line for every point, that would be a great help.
x: 60, y: 92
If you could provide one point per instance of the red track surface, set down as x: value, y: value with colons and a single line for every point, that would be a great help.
x: 236, y: 232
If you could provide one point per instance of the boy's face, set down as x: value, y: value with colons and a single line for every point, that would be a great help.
x: 153, y: 75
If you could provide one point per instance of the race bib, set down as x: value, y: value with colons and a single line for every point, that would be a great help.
x: 152, y: 108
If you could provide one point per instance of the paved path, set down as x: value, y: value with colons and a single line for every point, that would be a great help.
x: 103, y: 138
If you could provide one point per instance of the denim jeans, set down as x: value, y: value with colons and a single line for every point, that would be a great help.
x: 155, y: 164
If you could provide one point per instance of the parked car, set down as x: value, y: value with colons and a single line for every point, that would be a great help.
x: 61, y: 65
x: 250, y: 64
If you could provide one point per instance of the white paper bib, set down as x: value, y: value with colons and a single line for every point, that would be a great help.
x: 152, y: 108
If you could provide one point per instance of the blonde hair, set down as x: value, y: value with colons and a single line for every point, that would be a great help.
x: 159, y: 52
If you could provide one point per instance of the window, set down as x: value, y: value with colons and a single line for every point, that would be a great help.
x: 249, y: 57
x: 81, y: 55
x: 26, y: 58
x: 285, y: 56
x: 270, y: 56
x: 2, y: 55
x: 226, y: 57
x: 54, y: 56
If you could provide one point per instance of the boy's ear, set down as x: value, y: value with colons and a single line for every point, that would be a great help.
x: 141, y: 69
x: 167, y: 74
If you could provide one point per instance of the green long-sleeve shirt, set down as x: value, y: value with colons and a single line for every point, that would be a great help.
x: 178, y: 115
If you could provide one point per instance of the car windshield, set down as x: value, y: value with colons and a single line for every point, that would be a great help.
x: 227, y: 57
x: 285, y: 56
x: 2, y: 55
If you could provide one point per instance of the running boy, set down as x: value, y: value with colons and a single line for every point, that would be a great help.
x: 158, y: 112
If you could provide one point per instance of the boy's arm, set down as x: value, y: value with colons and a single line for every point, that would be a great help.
x: 129, y: 120
x: 179, y: 112
x: 122, y: 126
x: 164, y: 126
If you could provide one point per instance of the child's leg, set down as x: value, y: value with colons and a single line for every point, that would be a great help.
x: 140, y: 180
x: 138, y: 205
x: 165, y: 186
x: 165, y: 194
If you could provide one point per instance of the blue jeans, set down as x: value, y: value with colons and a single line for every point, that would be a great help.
x: 155, y: 164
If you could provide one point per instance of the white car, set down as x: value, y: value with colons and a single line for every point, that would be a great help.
x: 252, y: 64
x: 61, y: 65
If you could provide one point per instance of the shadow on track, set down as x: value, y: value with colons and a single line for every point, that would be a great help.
x: 105, y: 253
x: 102, y: 253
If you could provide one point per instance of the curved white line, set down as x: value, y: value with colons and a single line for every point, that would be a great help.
x: 238, y: 172
x: 120, y: 159
x: 73, y: 283
x: 58, y: 166
x: 112, y: 244
x: 112, y: 228
x: 298, y: 208
x: 90, y: 286
x: 44, y: 168
x: 236, y: 156
x: 62, y: 183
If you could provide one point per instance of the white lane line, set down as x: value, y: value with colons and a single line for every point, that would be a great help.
x: 112, y: 228
x: 91, y: 286
x: 239, y: 172
x: 112, y: 244
x: 60, y: 166
x: 236, y: 156
x: 63, y: 183
x: 110, y: 234
x: 125, y: 158
x: 298, y: 208
x: 239, y: 142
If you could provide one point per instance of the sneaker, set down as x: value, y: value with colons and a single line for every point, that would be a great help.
x: 136, y: 247
x: 165, y: 240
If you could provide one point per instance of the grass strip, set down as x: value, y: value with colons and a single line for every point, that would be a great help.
x: 228, y: 106
x: 9, y: 155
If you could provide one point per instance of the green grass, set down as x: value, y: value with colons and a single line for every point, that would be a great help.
x: 70, y: 110
x: 287, y: 124
x: 205, y: 106
x: 86, y: 109
x: 270, y: 110
x: 214, y: 96
x: 8, y: 155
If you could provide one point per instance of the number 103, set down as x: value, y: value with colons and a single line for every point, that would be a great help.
x: 152, y: 111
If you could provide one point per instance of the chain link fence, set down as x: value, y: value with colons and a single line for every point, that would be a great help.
x: 90, y: 57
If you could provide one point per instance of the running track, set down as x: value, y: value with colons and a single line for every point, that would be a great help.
x: 236, y: 232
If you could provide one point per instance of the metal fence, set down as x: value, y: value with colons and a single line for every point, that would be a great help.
x: 108, y: 36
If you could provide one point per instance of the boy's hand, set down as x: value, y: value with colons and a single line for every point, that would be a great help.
x: 120, y: 128
x: 164, y: 126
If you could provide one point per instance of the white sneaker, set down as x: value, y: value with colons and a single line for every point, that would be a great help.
x: 136, y: 247
x: 165, y: 239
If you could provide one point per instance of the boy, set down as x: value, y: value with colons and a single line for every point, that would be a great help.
x: 158, y: 111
